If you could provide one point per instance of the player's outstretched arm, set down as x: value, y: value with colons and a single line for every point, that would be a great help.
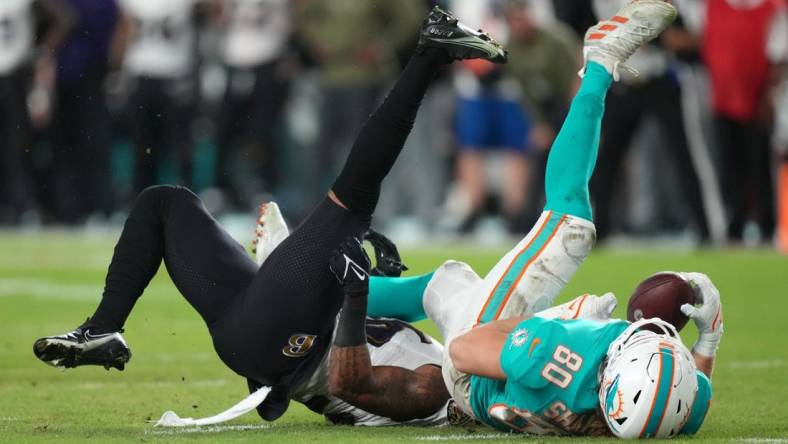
x: 478, y: 352
x: 392, y: 392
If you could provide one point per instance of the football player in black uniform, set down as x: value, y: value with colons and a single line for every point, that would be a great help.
x: 272, y: 325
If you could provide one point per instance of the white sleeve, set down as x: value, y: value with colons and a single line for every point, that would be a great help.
x: 781, y: 118
x: 406, y: 349
x: 777, y: 43
x: 449, y: 290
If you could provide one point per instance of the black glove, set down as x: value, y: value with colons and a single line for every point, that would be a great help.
x: 387, y: 258
x: 350, y: 264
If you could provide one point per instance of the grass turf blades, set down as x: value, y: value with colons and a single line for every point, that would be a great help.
x: 49, y: 283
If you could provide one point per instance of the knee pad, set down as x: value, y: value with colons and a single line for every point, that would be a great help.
x: 552, y: 269
x: 159, y: 197
x: 579, y: 237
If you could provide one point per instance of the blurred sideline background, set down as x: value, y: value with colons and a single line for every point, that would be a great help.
x: 251, y: 100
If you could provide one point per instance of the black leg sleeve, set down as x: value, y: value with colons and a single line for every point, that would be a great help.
x: 383, y: 135
x: 136, y: 260
x: 207, y: 266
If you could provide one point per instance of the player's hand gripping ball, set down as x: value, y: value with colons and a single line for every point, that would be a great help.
x: 661, y: 296
x: 707, y: 315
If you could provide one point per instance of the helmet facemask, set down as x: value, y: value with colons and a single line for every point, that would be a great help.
x: 648, y: 384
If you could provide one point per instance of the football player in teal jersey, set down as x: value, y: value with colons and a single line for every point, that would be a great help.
x: 567, y: 375
x: 570, y: 370
x: 518, y: 365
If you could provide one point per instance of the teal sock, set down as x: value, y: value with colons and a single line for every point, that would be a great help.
x: 399, y: 298
x: 574, y: 152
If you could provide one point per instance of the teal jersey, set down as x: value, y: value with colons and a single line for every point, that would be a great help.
x: 551, y: 385
x: 700, y: 407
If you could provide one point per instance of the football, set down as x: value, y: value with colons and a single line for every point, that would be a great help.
x: 661, y: 296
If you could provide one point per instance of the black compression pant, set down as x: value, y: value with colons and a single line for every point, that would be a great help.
x: 268, y: 323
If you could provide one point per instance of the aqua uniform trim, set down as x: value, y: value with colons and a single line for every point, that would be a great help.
x: 667, y: 370
x: 574, y: 152
x: 505, y: 286
x: 700, y: 407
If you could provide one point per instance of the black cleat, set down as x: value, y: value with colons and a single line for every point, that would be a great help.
x: 84, y: 346
x: 442, y: 30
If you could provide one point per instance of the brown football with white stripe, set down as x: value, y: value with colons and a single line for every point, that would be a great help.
x: 661, y: 296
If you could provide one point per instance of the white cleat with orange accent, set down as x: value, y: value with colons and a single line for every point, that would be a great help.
x: 587, y: 306
x: 612, y: 42
x: 271, y: 230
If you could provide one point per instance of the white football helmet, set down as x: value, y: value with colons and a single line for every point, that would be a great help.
x: 649, y: 384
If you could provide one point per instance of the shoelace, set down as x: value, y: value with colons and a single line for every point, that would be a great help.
x: 626, y: 43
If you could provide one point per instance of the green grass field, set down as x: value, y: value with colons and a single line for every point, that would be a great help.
x: 50, y: 283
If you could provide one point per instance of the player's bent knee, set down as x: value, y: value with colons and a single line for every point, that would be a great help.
x: 156, y: 192
x: 579, y: 238
x: 552, y: 268
x: 160, y: 195
x: 153, y: 196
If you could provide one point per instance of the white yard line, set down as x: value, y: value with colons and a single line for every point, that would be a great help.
x: 756, y: 364
x: 206, y: 429
x: 491, y: 436
x: 762, y: 440
x: 487, y: 436
x: 48, y: 289
x: 154, y: 384
x: 199, y: 383
x: 41, y: 288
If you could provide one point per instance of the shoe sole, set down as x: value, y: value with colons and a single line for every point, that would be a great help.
x: 470, y: 49
x: 63, y: 354
x: 271, y: 230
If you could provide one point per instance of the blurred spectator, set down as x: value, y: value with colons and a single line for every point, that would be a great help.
x: 412, y: 193
x: 578, y: 14
x: 81, y: 136
x: 19, y: 20
x: 780, y: 49
x: 654, y: 93
x: 545, y: 56
x: 254, y: 48
x: 354, y: 44
x: 508, y: 110
x: 781, y: 144
x: 157, y: 43
x: 739, y: 51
